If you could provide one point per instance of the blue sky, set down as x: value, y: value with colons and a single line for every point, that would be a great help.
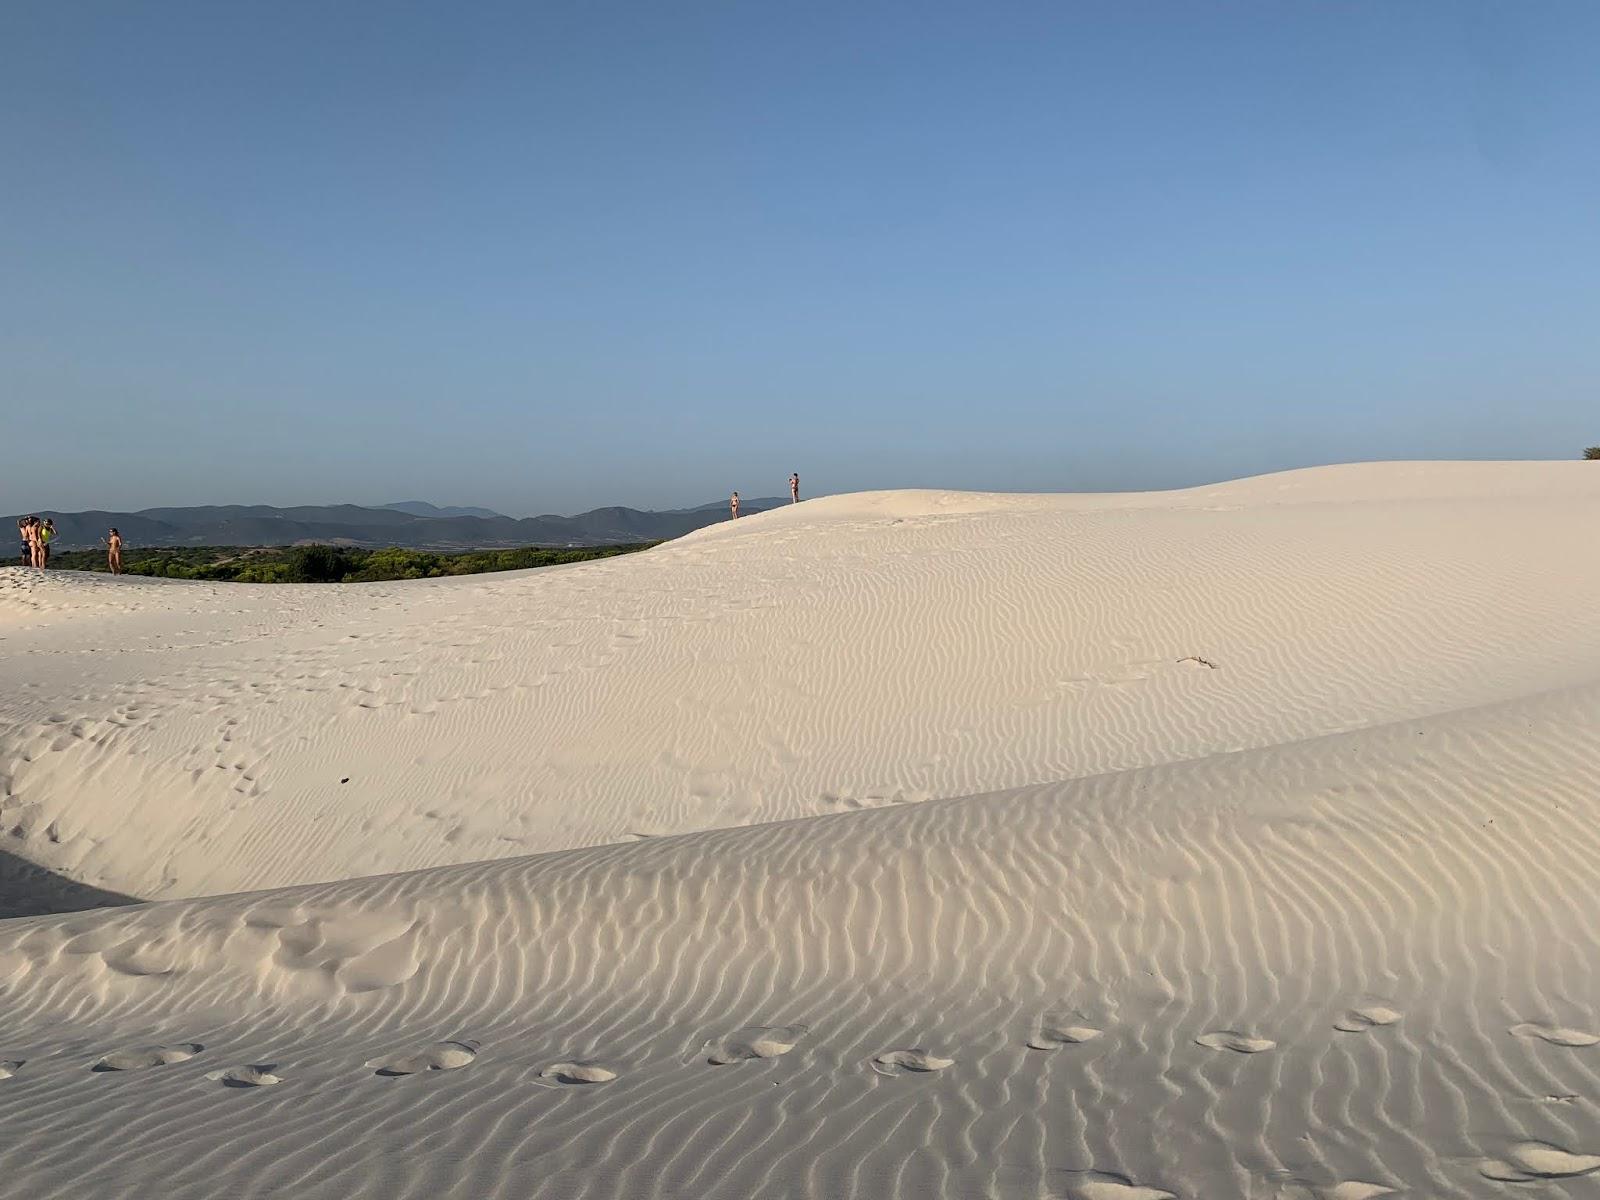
x: 546, y: 256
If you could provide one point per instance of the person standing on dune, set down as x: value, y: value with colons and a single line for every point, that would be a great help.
x: 794, y: 487
x: 114, y: 551
x: 47, y: 533
x: 733, y: 506
x: 25, y: 534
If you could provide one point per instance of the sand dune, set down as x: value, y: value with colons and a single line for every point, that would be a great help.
x: 1311, y: 921
x: 168, y: 739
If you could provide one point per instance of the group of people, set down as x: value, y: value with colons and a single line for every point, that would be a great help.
x: 37, y: 536
x: 794, y: 495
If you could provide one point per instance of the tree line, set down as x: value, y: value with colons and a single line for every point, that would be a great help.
x: 329, y: 564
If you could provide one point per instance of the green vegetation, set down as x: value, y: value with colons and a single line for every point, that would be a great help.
x: 1592, y: 453
x: 326, y: 564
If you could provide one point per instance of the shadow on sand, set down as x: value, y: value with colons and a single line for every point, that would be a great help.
x: 29, y: 890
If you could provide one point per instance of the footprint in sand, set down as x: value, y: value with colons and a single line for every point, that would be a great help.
x: 1527, y: 1161
x: 1104, y: 1185
x: 759, y: 1041
x: 441, y: 1056
x: 577, y: 1072
x: 1372, y: 1016
x: 1350, y: 1189
x: 1239, y: 1043
x: 909, y: 1062
x: 10, y: 1067
x: 1052, y: 1036
x: 1555, y: 1035
x: 148, y: 1056
x: 1353, y: 1189
x: 255, y: 1075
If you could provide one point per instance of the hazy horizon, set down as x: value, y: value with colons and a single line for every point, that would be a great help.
x: 544, y: 259
x: 750, y: 495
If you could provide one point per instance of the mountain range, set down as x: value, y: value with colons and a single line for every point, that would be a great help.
x: 414, y: 524
x: 421, y: 508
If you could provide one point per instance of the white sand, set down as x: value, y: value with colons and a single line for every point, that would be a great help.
x: 1300, y: 903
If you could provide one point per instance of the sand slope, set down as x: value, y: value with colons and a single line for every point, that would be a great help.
x: 1316, y: 923
x: 166, y: 739
x: 1435, y: 874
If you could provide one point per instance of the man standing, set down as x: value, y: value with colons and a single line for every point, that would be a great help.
x: 794, y: 487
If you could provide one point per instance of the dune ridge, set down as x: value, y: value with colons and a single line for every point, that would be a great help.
x: 845, y: 653
x: 1307, y: 936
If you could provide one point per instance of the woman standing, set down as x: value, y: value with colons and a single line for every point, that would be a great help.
x: 31, y: 552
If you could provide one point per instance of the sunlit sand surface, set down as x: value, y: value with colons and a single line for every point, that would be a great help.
x: 1240, y: 841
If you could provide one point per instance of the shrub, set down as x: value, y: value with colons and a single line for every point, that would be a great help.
x: 265, y: 572
x: 318, y: 564
x: 1592, y: 453
x: 395, y: 563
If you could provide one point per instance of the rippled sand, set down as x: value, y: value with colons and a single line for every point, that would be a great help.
x: 1231, y: 842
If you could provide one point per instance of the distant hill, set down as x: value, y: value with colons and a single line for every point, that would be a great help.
x: 421, y: 508
x: 353, y: 525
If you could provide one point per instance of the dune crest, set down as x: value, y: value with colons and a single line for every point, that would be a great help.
x: 167, y: 739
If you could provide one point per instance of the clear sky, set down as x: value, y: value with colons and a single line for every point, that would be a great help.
x: 550, y: 255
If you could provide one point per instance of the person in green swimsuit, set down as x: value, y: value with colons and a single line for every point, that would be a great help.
x: 47, y: 533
